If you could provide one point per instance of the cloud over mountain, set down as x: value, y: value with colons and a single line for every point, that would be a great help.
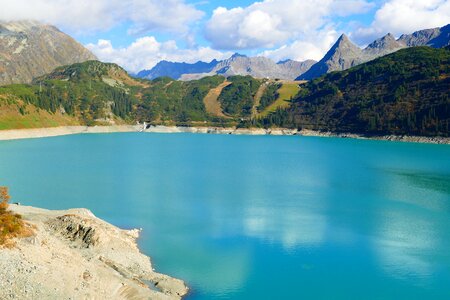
x: 146, y: 52
x: 272, y: 23
x: 405, y: 16
x: 88, y: 15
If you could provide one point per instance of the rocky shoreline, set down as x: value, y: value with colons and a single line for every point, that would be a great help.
x: 74, y: 255
x: 67, y: 130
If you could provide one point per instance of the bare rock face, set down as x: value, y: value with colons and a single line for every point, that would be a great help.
x: 421, y: 37
x: 343, y: 55
x: 295, y: 68
x: 260, y: 67
x: 76, y: 229
x: 29, y: 49
x: 383, y: 46
x: 74, y: 255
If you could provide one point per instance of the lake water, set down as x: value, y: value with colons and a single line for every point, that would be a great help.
x: 258, y: 217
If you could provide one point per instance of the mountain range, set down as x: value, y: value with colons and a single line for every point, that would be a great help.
x: 259, y: 67
x: 343, y: 55
x: 29, y: 49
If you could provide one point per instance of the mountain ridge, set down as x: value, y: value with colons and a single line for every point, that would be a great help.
x: 237, y: 64
x: 344, y: 54
x: 29, y: 49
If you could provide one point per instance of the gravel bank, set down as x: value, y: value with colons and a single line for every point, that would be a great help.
x: 75, y: 255
x: 58, y: 131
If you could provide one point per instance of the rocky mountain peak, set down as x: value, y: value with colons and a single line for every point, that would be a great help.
x: 237, y: 55
x: 382, y: 46
x: 25, y: 44
x: 342, y: 47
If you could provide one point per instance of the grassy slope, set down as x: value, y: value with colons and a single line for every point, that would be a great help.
x: 286, y: 93
x: 15, y: 114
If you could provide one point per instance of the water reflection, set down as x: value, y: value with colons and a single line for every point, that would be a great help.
x: 406, y: 244
x: 292, y: 227
x: 409, y: 236
x: 430, y: 191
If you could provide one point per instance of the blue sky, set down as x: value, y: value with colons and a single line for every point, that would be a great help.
x: 121, y: 38
x: 138, y: 33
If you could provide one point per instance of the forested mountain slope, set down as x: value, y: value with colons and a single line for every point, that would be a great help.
x: 407, y: 92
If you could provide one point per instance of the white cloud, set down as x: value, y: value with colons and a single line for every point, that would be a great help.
x: 405, y: 16
x: 89, y: 15
x: 274, y: 22
x: 313, y: 47
x: 146, y: 52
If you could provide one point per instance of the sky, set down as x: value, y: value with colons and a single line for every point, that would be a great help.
x: 137, y: 34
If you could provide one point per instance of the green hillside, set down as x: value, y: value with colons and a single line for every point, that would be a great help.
x: 95, y: 93
x: 403, y: 93
x: 166, y: 100
x: 237, y: 98
x: 91, y: 93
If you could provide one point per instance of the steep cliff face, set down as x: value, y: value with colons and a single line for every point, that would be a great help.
x: 383, y: 46
x: 435, y: 37
x: 29, y: 49
x: 343, y: 55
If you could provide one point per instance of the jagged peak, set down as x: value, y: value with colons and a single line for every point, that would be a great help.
x: 386, y: 41
x: 343, y: 39
x: 236, y: 55
x: 342, y: 43
x: 389, y: 36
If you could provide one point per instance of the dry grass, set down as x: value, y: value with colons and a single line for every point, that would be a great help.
x: 11, y: 118
x: 11, y: 224
x: 212, y: 103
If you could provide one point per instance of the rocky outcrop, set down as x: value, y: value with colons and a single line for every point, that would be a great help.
x: 74, y: 255
x: 293, y: 67
x: 435, y: 37
x: 380, y: 47
x: 30, y: 49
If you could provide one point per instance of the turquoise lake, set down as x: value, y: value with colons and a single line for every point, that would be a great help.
x: 258, y: 217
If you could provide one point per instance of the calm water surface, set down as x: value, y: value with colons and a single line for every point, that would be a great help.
x: 241, y: 217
